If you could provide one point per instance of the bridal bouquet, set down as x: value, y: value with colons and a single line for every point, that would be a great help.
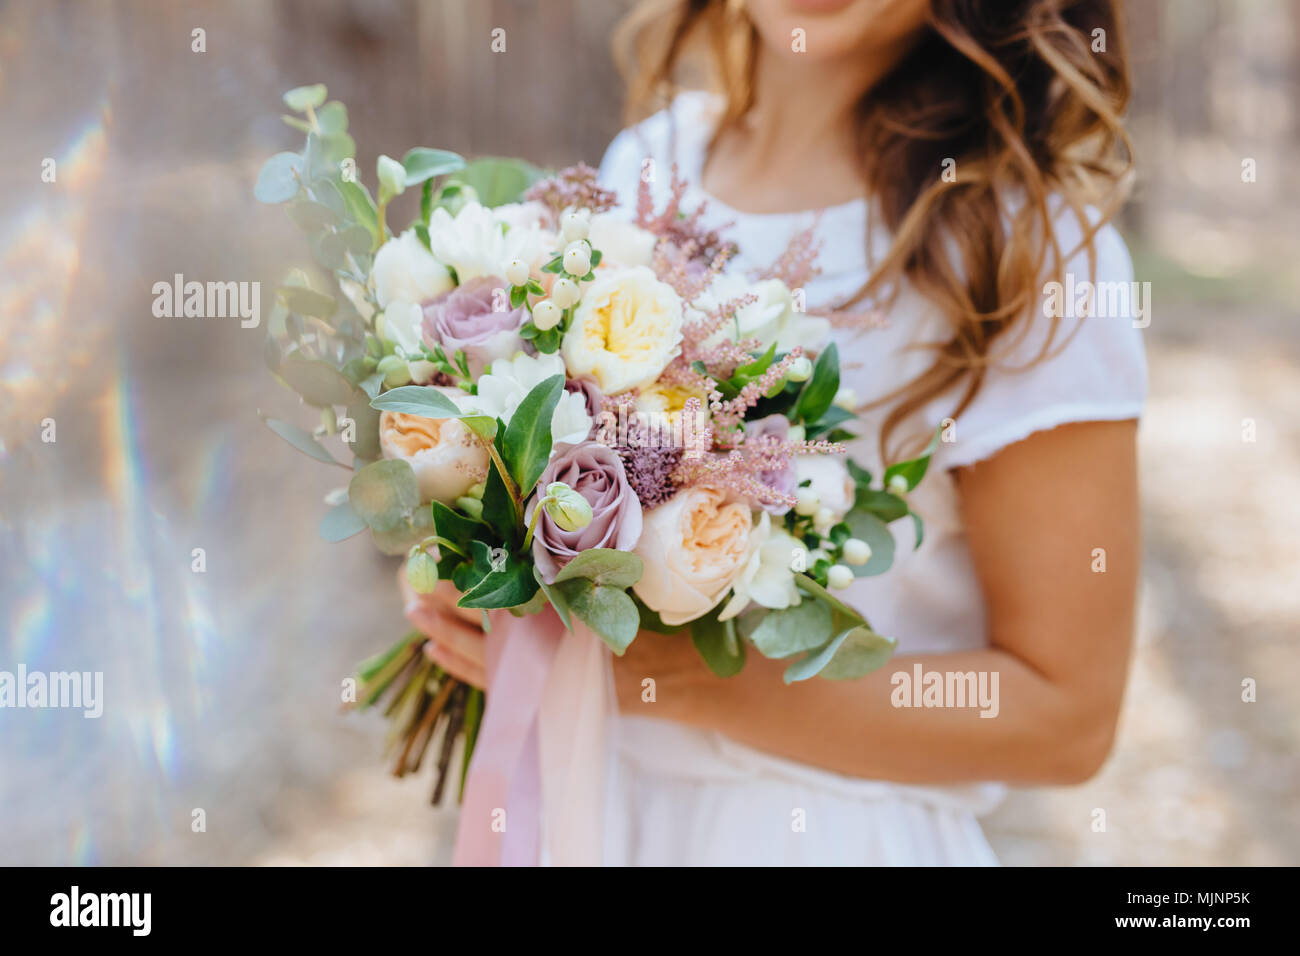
x: 563, y: 407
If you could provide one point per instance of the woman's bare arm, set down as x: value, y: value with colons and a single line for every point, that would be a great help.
x: 1060, y: 635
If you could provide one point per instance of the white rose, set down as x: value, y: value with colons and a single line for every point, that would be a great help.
x: 502, y: 389
x: 625, y: 331
x: 770, y: 319
x: 404, y: 271
x: 767, y: 578
x: 692, y: 546
x: 621, y: 243
x: 446, y: 456
x: 475, y: 242
x: 830, y: 481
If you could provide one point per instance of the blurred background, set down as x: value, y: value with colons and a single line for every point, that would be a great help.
x: 222, y: 687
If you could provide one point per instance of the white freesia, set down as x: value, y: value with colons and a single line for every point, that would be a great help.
x: 404, y: 271
x: 502, y: 389
x: 772, y: 318
x: 830, y: 481
x: 478, y: 241
x: 625, y: 331
x: 621, y: 243
x: 403, y: 322
x: 767, y: 577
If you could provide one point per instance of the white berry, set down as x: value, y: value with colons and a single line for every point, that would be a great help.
x: 546, y: 315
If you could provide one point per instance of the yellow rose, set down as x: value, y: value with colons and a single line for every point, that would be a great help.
x: 693, y: 546
x: 446, y: 456
x: 627, y: 328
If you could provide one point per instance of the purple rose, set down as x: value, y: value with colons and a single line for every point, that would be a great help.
x: 596, y: 472
x: 768, y: 431
x: 466, y: 318
x: 592, y: 395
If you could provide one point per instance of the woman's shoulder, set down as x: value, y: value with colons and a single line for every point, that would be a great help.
x: 677, y: 134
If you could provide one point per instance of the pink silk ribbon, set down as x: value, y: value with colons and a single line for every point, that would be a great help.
x: 535, y: 791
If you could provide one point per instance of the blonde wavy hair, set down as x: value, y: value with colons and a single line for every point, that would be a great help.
x: 1012, y: 90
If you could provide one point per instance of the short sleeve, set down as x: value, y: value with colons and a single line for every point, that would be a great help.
x: 676, y: 135
x: 1094, y: 366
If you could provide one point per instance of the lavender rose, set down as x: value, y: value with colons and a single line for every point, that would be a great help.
x: 781, y: 478
x: 465, y: 318
x: 596, y: 472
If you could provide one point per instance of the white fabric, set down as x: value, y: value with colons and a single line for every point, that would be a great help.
x: 695, y: 797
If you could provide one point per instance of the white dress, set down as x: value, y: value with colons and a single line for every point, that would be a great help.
x: 682, y: 796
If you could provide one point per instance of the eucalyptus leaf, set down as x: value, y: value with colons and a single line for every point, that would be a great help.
x: 417, y: 400
x: 883, y: 504
x: 607, y: 611
x: 341, y: 523
x: 860, y: 651
x: 318, y: 382
x: 789, y: 631
x: 422, y: 163
x: 619, y: 569
x: 278, y: 180
x: 311, y: 216
x: 302, y: 98
x: 365, y: 440
x: 556, y: 597
x: 385, y: 494
x: 497, y: 180
x: 306, y: 301
x: 332, y: 118
x: 302, y: 440
x: 877, y: 535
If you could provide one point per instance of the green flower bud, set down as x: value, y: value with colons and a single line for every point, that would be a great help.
x: 421, y: 572
x: 392, y: 178
x: 566, y: 507
x: 471, y: 506
x: 396, y: 371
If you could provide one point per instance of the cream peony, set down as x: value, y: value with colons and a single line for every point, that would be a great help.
x: 627, y: 328
x: 446, y: 456
x: 621, y: 243
x: 404, y: 271
x: 476, y: 242
x: 830, y: 480
x: 767, y: 579
x: 502, y: 389
x: 771, y: 319
x: 693, y: 547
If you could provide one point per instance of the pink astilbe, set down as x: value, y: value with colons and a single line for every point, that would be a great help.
x: 796, y: 266
x: 731, y: 413
x: 679, y: 228
x: 733, y: 472
x: 574, y: 187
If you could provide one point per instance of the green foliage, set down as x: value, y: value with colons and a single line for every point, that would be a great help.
x: 819, y: 391
x: 604, y: 566
x: 384, y: 494
x: 526, y: 444
x: 496, y: 180
x: 719, y: 644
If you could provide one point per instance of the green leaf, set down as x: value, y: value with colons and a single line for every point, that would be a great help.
x: 651, y: 621
x: 875, y: 533
x: 499, y: 509
x: 919, y: 527
x: 861, y: 652
x: 496, y: 180
x: 607, y: 611
x: 417, y: 400
x: 455, y: 526
x: 365, y: 443
x: 318, y: 382
x: 341, y: 523
x: 526, y: 445
x: 360, y: 205
x: 304, y: 301
x: 332, y: 118
x: 312, y: 216
x: 302, y: 440
x: 406, y: 535
x: 607, y: 566
x: 830, y: 418
x: 384, y: 494
x: 914, y: 469
x: 422, y: 163
x: 302, y: 98
x: 718, y: 645
x: 819, y: 393
x: 884, y: 505
x: 784, y: 633
x: 840, y: 609
x: 554, y: 595
x: 279, y: 178
x: 510, y: 586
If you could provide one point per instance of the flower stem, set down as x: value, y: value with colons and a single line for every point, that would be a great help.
x: 532, y: 525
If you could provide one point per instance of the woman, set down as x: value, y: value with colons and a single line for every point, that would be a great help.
x: 954, y: 157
